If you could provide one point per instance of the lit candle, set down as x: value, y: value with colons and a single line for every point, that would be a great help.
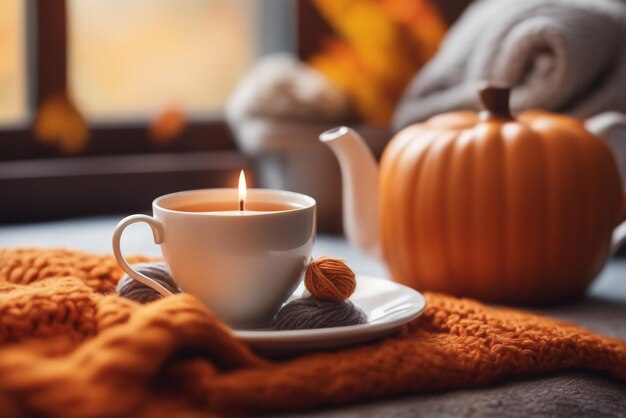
x: 242, y: 191
x: 247, y: 208
x: 239, y: 201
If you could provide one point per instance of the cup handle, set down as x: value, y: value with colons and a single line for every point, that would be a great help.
x: 157, y: 232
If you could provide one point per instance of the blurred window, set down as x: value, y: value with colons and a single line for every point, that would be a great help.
x: 124, y: 96
x: 129, y: 60
x: 13, y: 93
x: 105, y: 104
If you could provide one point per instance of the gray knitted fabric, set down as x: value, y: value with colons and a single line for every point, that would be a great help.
x: 129, y: 288
x: 311, y: 312
x: 567, y: 56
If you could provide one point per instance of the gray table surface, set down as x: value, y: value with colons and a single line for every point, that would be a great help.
x: 557, y: 395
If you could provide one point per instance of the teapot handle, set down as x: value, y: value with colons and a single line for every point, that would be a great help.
x: 619, y: 237
x: 619, y: 233
x: 602, y: 124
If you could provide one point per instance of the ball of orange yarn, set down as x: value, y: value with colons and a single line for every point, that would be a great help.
x: 329, y: 279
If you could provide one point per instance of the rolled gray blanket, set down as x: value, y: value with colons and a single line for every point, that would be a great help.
x: 567, y: 56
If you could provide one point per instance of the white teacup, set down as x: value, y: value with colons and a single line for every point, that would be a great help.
x: 242, y: 265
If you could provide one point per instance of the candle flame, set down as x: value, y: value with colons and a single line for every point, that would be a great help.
x: 242, y: 190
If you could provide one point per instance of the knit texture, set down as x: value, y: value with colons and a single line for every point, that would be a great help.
x: 69, y: 347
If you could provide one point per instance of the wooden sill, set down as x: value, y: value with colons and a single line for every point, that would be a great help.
x: 19, y: 143
x: 44, y: 189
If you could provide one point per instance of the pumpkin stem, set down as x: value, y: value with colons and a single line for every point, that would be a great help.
x: 495, y: 101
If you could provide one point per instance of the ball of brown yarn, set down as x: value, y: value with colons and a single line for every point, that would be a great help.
x: 330, y: 279
x: 312, y: 313
x: 130, y: 288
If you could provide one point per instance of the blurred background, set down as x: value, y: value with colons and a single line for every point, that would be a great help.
x: 106, y: 104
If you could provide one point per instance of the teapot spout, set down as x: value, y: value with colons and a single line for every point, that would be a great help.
x: 359, y: 172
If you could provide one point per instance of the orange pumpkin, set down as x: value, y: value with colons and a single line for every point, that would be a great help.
x: 509, y: 210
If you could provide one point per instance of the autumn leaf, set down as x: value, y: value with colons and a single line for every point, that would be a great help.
x: 167, y: 125
x: 59, y: 122
x: 379, y: 46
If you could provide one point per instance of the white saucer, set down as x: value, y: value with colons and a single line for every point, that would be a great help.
x: 387, y: 304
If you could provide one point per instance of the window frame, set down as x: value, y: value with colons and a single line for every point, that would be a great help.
x: 121, y: 169
x: 46, y: 43
x: 75, y: 184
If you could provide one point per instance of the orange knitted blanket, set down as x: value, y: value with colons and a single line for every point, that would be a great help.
x: 70, y: 347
